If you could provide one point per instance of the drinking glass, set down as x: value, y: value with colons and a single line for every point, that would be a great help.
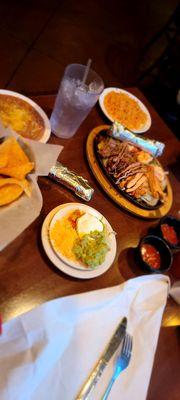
x: 74, y: 100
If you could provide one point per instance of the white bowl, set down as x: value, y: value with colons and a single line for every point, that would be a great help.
x: 142, y: 106
x: 47, y: 126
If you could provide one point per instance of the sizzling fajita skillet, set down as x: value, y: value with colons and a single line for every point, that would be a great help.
x: 122, y: 197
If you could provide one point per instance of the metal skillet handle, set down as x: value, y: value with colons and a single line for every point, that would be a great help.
x: 92, y: 380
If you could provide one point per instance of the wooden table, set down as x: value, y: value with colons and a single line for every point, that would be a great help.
x: 28, y: 278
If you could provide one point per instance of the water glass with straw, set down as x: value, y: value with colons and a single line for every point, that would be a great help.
x: 79, y: 91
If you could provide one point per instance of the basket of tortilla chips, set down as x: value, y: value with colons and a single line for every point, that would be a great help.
x: 21, y: 162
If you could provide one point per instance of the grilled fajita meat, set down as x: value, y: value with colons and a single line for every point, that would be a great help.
x: 131, y: 168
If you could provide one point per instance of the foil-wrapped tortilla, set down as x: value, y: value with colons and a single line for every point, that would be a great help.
x: 72, y: 181
x: 117, y: 131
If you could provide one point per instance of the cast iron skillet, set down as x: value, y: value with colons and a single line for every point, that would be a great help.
x: 141, y: 203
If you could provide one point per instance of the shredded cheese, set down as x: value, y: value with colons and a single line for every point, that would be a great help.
x: 63, y: 237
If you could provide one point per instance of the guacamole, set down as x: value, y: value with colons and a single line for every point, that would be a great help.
x: 91, y: 248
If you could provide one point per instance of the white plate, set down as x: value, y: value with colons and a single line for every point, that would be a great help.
x: 47, y: 126
x: 77, y: 273
x: 142, y: 106
x: 67, y: 210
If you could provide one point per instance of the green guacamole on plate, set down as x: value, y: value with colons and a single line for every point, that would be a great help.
x: 91, y: 248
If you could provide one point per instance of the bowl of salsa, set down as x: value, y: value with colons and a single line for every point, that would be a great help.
x: 169, y: 230
x: 154, y: 254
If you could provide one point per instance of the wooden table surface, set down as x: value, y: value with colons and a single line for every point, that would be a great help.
x: 28, y: 278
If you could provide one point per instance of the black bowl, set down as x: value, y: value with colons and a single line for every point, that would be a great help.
x: 164, y: 250
x: 175, y: 223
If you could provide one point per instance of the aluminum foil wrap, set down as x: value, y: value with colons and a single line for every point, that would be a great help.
x: 152, y: 146
x: 72, y: 181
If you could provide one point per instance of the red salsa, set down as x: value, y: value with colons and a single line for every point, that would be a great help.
x: 151, y: 256
x: 169, y: 234
x: 74, y: 216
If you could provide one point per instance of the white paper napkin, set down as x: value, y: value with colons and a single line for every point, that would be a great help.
x: 47, y: 354
x: 175, y: 292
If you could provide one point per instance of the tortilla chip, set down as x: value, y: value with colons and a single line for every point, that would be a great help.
x: 24, y: 184
x: 3, y: 159
x: 9, y: 193
x: 18, y: 172
x: 11, y: 147
x: 17, y: 164
x: 3, y: 156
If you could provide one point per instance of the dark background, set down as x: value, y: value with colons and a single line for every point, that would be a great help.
x: 130, y: 42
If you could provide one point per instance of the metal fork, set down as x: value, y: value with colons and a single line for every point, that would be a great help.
x: 122, y: 363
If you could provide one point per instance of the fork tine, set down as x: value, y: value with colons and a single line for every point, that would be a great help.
x: 131, y: 344
x: 125, y: 344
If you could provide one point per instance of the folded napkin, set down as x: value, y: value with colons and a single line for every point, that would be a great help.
x: 48, y: 353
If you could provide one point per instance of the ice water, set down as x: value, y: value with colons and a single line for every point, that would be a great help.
x: 73, y: 103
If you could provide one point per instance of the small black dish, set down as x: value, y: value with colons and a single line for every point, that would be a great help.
x: 175, y: 223
x: 162, y: 247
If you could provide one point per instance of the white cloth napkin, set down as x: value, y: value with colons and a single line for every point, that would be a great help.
x: 47, y: 353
